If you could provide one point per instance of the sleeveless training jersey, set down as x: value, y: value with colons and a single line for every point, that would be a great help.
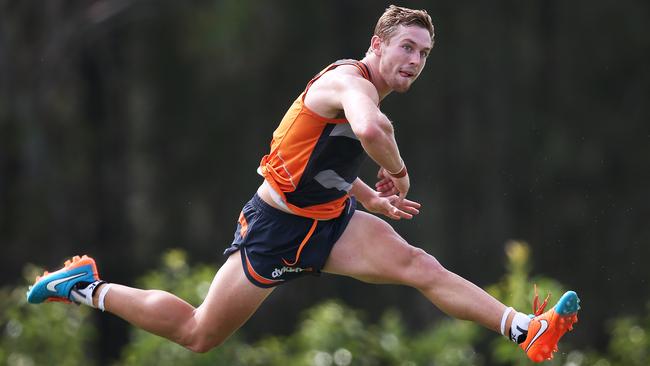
x: 313, y: 160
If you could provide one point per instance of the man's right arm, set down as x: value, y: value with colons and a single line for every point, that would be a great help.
x: 359, y: 100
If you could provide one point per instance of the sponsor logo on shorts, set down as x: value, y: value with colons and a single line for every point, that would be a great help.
x: 278, y: 272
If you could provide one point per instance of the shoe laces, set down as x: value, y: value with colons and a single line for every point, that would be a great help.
x: 537, y: 308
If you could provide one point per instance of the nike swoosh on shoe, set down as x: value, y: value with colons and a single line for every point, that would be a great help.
x: 52, y: 285
x: 542, y: 329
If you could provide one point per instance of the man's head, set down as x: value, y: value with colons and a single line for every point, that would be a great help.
x: 394, y: 16
x: 401, y: 43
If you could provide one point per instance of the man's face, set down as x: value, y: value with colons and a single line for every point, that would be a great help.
x: 403, y: 56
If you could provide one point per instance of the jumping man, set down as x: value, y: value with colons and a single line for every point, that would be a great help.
x: 302, y: 219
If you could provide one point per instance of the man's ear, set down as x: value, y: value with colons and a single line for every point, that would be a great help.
x: 375, y: 45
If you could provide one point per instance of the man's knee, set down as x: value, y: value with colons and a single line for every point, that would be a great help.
x: 203, y: 347
x: 423, y: 269
x: 202, y: 343
x: 197, y: 338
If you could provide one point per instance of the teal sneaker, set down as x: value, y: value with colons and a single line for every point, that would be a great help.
x: 58, y: 286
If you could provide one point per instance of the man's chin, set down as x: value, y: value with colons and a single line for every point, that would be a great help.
x: 402, y: 88
x: 401, y: 85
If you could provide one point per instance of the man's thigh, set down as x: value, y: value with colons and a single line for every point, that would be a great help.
x: 231, y: 300
x: 371, y: 251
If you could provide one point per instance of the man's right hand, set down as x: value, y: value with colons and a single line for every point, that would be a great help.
x: 389, y: 185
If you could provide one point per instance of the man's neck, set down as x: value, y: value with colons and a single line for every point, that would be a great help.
x: 380, y: 84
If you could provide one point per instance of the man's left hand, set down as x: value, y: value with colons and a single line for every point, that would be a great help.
x: 392, y: 207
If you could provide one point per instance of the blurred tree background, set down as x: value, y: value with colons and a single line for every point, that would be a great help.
x: 131, y: 127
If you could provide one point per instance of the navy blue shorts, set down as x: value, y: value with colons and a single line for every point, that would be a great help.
x: 277, y: 247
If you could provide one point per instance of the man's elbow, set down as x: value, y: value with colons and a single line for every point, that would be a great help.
x: 375, y: 131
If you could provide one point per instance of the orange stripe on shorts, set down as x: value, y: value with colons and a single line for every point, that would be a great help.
x: 244, y: 225
x: 255, y: 275
x: 302, y: 245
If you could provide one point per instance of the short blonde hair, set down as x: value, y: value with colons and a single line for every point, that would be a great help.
x: 394, y: 16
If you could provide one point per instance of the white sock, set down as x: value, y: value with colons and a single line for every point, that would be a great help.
x: 519, y: 328
x: 85, y: 295
x: 504, y: 317
x: 102, y: 296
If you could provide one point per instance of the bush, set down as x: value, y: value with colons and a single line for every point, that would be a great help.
x: 48, y: 334
x: 329, y: 334
x: 629, y: 343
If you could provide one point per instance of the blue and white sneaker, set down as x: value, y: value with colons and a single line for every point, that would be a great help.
x: 59, y: 285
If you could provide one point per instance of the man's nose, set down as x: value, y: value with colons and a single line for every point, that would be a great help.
x: 415, y: 59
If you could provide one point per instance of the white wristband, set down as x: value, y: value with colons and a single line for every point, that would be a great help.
x: 102, y: 295
x: 503, y: 320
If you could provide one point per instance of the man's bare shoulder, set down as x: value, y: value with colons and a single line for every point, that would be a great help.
x: 345, y: 77
x: 325, y: 96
